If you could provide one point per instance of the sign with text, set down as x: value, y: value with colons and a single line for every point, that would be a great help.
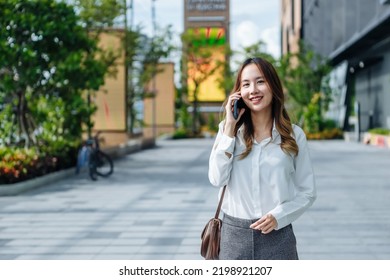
x: 206, y: 5
x: 201, y: 13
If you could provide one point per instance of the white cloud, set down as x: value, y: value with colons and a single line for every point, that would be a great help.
x: 270, y: 36
x: 245, y: 34
x: 250, y: 21
x: 248, y: 33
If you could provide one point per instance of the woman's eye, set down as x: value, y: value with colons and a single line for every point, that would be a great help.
x: 245, y: 85
x: 260, y: 81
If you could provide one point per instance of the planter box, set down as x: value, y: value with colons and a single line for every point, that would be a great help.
x: 131, y: 146
x: 377, y: 140
x: 17, y: 188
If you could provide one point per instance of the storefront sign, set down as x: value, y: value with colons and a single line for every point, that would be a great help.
x: 206, y: 5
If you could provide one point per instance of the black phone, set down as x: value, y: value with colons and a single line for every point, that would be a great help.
x: 238, y: 104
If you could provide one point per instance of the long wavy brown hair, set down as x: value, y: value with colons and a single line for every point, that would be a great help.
x: 279, y: 112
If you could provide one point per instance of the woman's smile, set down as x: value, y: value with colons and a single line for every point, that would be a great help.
x: 256, y: 100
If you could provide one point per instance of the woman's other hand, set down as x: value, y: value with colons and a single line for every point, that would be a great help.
x: 265, y: 224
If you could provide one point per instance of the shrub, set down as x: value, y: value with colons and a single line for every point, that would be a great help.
x: 181, y: 134
x: 19, y: 164
x: 326, y: 134
x: 380, y: 131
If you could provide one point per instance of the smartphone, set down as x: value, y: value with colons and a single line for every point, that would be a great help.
x: 238, y: 104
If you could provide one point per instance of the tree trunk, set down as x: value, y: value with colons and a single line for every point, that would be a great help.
x: 25, y: 129
x: 195, y: 111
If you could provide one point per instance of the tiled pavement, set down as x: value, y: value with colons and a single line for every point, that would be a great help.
x: 157, y: 201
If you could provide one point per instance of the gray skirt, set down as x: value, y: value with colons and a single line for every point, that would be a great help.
x: 239, y: 242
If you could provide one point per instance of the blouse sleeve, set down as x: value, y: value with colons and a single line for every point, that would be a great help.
x: 221, y: 158
x: 304, y: 182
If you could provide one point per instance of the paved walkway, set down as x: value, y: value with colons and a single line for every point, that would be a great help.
x: 158, y: 200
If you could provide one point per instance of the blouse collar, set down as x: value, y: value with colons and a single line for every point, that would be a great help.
x: 274, y: 133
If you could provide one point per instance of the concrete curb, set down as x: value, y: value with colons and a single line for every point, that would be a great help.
x: 131, y: 146
x: 17, y: 188
x: 115, y: 152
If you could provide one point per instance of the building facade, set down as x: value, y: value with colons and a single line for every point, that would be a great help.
x: 354, y: 35
x: 208, y: 20
x: 155, y: 113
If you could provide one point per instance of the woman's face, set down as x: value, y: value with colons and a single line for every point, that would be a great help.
x: 254, y: 89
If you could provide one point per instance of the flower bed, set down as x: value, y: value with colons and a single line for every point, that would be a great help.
x: 326, y: 134
x: 18, y: 164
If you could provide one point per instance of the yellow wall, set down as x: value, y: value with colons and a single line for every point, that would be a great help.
x: 110, y: 117
x: 110, y: 99
x: 164, y: 102
x: 209, y: 90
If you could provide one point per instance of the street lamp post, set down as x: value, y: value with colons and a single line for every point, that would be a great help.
x: 154, y: 90
x: 128, y: 68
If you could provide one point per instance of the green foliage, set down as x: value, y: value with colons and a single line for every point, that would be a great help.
x: 315, y: 126
x: 185, y: 117
x: 301, y: 74
x: 46, y: 57
x: 312, y: 114
x: 226, y: 80
x: 158, y: 48
x: 380, y: 131
x: 257, y: 50
x: 326, y: 134
x: 19, y: 164
x: 48, y: 62
x: 181, y: 134
x: 212, y: 124
x: 142, y: 57
x: 99, y: 14
x: 16, y: 163
x: 199, y: 64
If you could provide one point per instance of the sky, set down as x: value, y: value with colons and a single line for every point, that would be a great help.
x: 250, y: 20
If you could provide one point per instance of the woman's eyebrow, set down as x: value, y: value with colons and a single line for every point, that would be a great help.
x: 257, y: 78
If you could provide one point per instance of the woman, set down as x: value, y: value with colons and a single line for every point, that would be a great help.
x: 264, y: 161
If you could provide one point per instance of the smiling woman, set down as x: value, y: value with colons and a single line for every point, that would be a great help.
x: 264, y: 161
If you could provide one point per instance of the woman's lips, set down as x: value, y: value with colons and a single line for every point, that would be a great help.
x: 256, y: 100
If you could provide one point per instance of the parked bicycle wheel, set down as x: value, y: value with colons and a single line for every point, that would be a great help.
x: 104, y: 164
x: 92, y: 172
x: 92, y: 165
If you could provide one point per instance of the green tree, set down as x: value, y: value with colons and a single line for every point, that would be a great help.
x: 302, y: 74
x: 99, y: 14
x: 97, y: 17
x: 198, y: 65
x: 143, y: 54
x: 46, y: 57
x: 256, y: 50
x: 226, y: 81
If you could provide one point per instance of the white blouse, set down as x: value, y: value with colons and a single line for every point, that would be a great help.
x: 266, y: 181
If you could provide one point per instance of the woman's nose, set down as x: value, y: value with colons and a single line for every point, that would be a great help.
x: 252, y: 88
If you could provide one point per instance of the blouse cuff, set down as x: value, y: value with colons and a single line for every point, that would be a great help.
x: 281, y: 220
x: 226, y: 144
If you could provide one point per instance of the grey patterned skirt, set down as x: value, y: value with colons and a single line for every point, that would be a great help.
x: 239, y: 242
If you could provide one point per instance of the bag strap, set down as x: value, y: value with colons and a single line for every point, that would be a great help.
x: 220, y: 203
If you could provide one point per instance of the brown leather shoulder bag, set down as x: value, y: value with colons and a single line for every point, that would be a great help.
x: 211, y: 234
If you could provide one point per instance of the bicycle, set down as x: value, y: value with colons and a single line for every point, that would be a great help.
x: 99, y: 163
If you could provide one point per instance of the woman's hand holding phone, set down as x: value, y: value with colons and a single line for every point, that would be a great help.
x: 237, y: 106
x: 233, y: 112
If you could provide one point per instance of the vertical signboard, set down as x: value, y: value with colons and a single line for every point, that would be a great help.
x: 208, y: 22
